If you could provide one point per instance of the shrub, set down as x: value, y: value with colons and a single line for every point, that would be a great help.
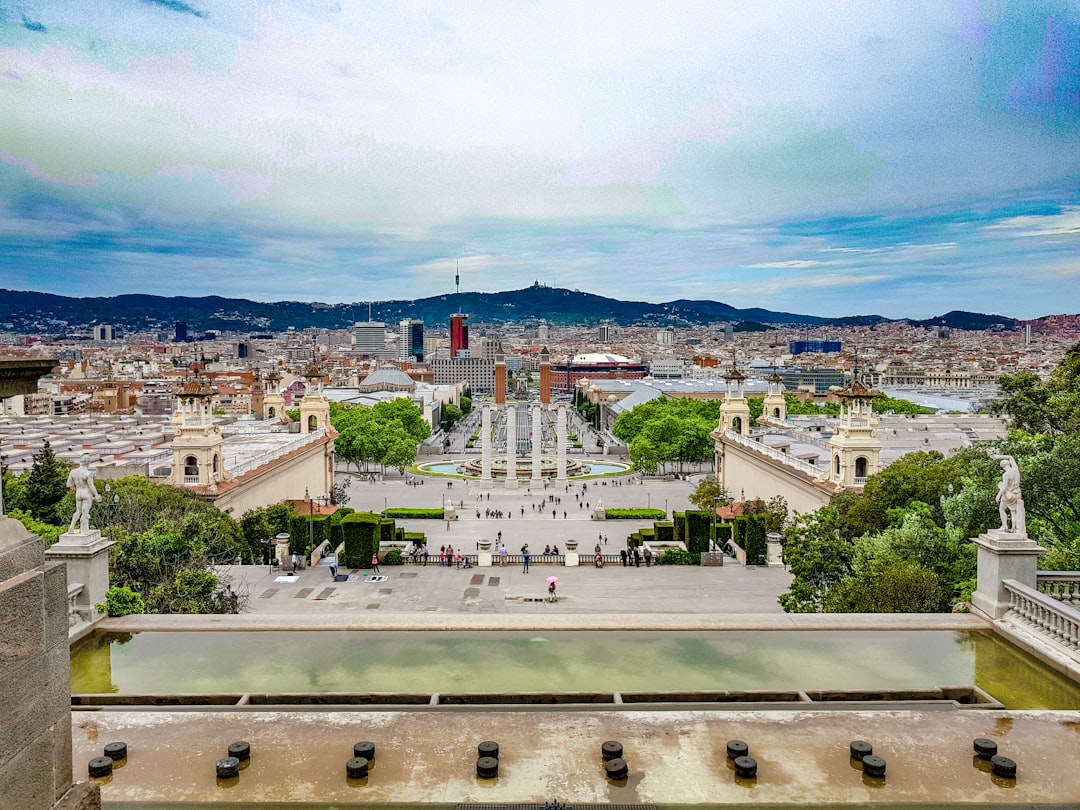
x: 676, y: 556
x: 679, y: 523
x: 636, y: 514
x: 698, y: 531
x: 393, y: 557
x: 301, y: 527
x: 361, y: 538
x: 754, y: 539
x: 417, y: 538
x: 122, y: 602
x: 414, y: 514
x: 723, y: 533
x: 665, y: 533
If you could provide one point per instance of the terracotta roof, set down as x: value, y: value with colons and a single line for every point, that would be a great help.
x: 195, y: 388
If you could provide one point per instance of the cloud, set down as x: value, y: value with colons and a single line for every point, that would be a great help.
x: 791, y: 264
x: 32, y: 25
x: 176, y: 5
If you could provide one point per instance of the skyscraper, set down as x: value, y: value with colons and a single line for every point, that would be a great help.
x: 411, y: 340
x: 459, y: 336
x: 369, y: 337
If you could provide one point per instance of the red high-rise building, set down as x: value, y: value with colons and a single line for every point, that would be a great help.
x: 459, y: 336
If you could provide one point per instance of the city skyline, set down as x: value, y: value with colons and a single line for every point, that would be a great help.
x: 829, y: 158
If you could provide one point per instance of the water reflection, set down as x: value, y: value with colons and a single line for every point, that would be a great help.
x: 568, y: 661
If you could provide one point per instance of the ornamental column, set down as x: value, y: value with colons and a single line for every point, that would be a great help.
x: 511, y: 446
x: 560, y: 444
x: 485, y: 445
x: 537, y: 445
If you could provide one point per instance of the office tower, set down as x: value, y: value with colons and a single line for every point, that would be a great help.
x: 411, y: 340
x: 104, y: 333
x: 180, y: 332
x: 369, y: 337
x: 459, y: 336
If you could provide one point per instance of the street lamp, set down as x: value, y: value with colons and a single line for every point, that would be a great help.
x: 715, y: 501
x: 310, y: 519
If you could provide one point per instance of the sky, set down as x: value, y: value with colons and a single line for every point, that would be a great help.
x: 838, y: 157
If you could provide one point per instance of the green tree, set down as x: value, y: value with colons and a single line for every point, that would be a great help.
x: 43, y: 487
x: 818, y: 557
x: 707, y: 492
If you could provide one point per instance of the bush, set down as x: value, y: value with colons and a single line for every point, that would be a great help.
x: 698, y: 531
x: 414, y: 514
x: 636, y: 514
x: 754, y: 539
x: 393, y: 557
x: 678, y: 521
x: 414, y: 538
x: 723, y: 533
x: 122, y: 602
x: 665, y: 533
x: 676, y: 556
x: 303, y: 527
x: 361, y: 538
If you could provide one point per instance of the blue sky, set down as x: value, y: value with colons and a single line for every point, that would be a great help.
x: 831, y: 158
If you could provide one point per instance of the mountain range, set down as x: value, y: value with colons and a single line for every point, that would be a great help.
x: 44, y: 313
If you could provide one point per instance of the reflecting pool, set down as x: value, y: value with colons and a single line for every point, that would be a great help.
x: 471, y: 661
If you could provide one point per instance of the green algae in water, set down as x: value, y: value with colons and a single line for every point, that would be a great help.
x: 468, y: 661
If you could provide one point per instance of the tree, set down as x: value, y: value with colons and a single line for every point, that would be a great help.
x: 43, y: 488
x: 818, y: 557
x: 707, y: 492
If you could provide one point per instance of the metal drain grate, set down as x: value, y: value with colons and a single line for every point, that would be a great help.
x: 325, y: 592
x: 407, y: 575
x: 268, y: 593
x: 493, y: 580
x: 303, y: 593
x: 477, y: 579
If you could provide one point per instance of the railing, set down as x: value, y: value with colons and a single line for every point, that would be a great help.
x: 78, y: 615
x: 773, y: 453
x: 255, y: 462
x: 1044, y: 615
x: 191, y: 480
x: 1064, y: 586
x: 859, y: 480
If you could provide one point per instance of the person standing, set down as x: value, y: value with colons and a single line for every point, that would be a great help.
x: 525, y: 558
x: 424, y: 553
x: 648, y: 556
x: 637, y: 557
x: 375, y: 563
x: 295, y: 561
x: 622, y: 556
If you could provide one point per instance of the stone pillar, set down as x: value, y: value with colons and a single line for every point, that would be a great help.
x: 485, y: 445
x: 483, y: 557
x: 511, y: 446
x: 281, y: 551
x: 560, y: 444
x: 1003, y: 555
x: 774, y: 550
x: 537, y: 446
x: 35, y: 709
x: 87, y: 558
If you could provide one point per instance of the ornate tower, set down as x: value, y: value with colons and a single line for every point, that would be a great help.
x: 273, y: 402
x: 500, y: 379
x: 854, y: 447
x: 315, y: 407
x: 545, y: 376
x: 196, y: 448
x: 735, y: 412
x: 775, y: 406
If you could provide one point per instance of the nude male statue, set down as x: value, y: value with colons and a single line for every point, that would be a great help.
x: 81, y: 479
x: 1009, y: 498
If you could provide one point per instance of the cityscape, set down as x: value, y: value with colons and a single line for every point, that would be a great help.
x: 539, y: 405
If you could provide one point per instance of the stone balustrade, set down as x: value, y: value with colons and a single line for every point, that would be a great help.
x: 1045, y: 616
x: 773, y: 453
x: 1064, y: 586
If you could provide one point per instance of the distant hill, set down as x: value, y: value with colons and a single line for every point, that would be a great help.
x: 34, y: 312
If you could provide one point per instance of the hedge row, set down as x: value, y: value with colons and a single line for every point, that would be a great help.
x: 749, y: 532
x: 363, y: 532
x: 414, y: 514
x: 635, y: 514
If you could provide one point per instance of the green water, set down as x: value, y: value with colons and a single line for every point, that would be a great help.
x: 384, y: 661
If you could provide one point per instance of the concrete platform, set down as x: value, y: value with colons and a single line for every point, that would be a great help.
x: 675, y: 757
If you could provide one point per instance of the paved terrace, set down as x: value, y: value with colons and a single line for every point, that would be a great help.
x: 675, y: 756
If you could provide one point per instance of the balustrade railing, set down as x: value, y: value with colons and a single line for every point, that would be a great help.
x: 1063, y: 586
x: 78, y: 615
x: 1045, y: 616
x: 773, y: 453
x: 237, y: 467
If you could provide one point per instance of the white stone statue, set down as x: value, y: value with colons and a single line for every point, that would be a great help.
x: 81, y: 479
x: 1009, y: 498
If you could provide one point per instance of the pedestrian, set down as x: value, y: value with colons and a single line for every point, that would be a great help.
x: 622, y: 556
x: 637, y: 557
x: 375, y: 562
x: 424, y: 553
x: 333, y: 570
x: 502, y: 554
x: 525, y: 558
x: 295, y: 561
x: 648, y: 556
x: 448, y: 525
x: 442, y: 555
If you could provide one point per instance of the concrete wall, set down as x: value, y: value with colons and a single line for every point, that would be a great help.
x: 35, y: 713
x: 744, y: 471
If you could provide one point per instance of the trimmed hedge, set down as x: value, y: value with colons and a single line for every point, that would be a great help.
x: 387, y: 531
x: 320, y: 530
x: 414, y: 514
x: 393, y: 557
x: 678, y: 522
x: 754, y: 537
x: 665, y: 533
x: 723, y: 533
x: 635, y: 514
x: 419, y: 538
x: 698, y: 531
x: 361, y: 530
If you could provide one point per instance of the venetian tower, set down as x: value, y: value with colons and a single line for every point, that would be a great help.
x: 855, y: 448
x: 314, y: 407
x: 735, y: 412
x: 196, y: 448
x: 774, y: 405
x: 273, y: 403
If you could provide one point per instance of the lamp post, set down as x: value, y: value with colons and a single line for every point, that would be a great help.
x: 715, y: 501
x: 310, y: 519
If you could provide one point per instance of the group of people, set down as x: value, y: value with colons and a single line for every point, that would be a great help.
x: 448, y: 556
x: 634, y: 556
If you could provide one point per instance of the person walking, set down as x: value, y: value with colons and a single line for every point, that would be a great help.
x: 295, y: 560
x: 622, y: 556
x: 525, y: 559
x: 648, y: 556
x: 375, y: 563
x: 502, y: 554
x: 637, y: 557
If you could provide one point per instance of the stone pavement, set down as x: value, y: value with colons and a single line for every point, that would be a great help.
x: 614, y: 589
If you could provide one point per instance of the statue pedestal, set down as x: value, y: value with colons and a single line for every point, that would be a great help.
x: 87, y: 559
x: 774, y: 550
x: 1003, y: 555
x: 599, y: 513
